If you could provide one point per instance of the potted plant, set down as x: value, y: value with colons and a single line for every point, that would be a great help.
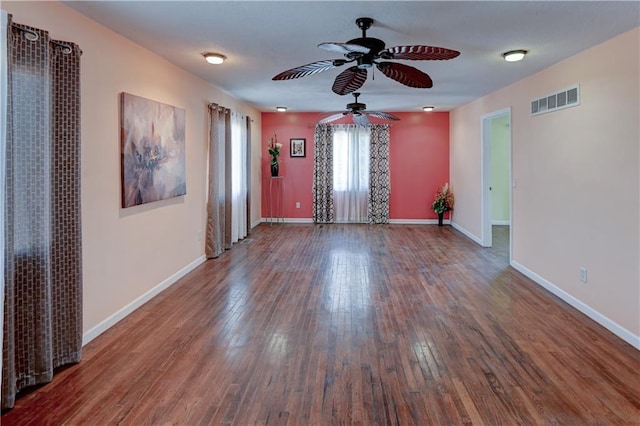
x: 274, y: 151
x: 443, y: 202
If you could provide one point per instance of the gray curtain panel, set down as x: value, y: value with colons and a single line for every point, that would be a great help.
x: 218, y: 235
x: 379, y: 177
x: 219, y: 196
x: 43, y: 275
x: 323, y: 208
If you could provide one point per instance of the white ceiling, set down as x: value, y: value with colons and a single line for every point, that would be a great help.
x: 263, y: 38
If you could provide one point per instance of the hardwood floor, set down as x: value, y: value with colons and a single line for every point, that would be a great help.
x: 348, y: 324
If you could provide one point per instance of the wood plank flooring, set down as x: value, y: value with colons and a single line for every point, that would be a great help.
x: 348, y: 324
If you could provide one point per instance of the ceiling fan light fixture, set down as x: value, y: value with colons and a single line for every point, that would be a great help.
x: 428, y: 108
x: 364, y: 62
x: 214, y: 58
x: 281, y: 108
x: 514, y: 55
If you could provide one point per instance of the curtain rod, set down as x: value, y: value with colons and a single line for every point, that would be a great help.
x: 228, y: 110
x: 66, y: 49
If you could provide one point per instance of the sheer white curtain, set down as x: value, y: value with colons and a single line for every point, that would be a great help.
x: 238, y: 177
x: 351, y: 172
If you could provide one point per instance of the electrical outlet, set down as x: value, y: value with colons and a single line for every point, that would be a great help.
x: 583, y: 274
x: 297, y: 204
x: 199, y: 235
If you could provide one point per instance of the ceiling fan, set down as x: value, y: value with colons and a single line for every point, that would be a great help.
x: 360, y: 116
x: 367, y: 51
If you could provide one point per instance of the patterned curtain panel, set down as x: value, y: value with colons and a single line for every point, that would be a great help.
x: 323, y: 210
x: 4, y: 24
x: 42, y: 326
x: 379, y: 178
x: 218, y: 234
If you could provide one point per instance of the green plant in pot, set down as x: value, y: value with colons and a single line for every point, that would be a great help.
x: 443, y: 202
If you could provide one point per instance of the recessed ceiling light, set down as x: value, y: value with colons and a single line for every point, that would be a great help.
x: 428, y: 108
x: 281, y: 109
x: 214, y: 58
x: 514, y: 55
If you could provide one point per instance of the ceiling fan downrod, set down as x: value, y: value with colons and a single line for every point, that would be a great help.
x: 364, y: 24
x: 365, y: 61
x: 356, y: 106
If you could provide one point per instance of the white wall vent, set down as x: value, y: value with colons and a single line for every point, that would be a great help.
x: 563, y: 99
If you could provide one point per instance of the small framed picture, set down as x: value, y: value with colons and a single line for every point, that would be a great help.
x: 298, y: 147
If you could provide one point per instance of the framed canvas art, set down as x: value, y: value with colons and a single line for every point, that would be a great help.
x: 152, y: 143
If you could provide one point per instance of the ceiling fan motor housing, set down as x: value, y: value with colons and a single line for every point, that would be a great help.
x: 360, y: 116
x: 356, y: 106
x: 365, y: 60
x: 375, y: 45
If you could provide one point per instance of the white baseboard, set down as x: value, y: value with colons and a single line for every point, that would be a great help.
x: 391, y: 221
x: 418, y: 221
x: 501, y: 222
x: 298, y: 220
x: 604, y: 321
x: 466, y: 233
x: 109, y: 322
x: 281, y: 220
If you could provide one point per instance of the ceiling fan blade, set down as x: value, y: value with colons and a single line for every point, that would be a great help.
x: 312, y: 68
x: 419, y: 53
x: 361, y: 119
x: 349, y: 80
x: 409, y: 76
x: 344, y: 48
x: 383, y: 115
x: 333, y: 117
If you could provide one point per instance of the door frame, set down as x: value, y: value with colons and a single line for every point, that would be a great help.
x: 486, y: 237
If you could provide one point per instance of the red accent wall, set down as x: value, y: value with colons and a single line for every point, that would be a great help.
x: 419, y: 161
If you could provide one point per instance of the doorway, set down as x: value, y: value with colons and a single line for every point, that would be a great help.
x: 496, y: 180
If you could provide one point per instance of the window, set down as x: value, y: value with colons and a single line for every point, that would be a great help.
x: 238, y: 177
x: 351, y: 172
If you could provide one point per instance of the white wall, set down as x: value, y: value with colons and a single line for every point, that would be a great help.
x: 576, y: 203
x: 128, y: 252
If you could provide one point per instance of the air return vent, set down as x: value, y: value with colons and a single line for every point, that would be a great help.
x: 564, y: 99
